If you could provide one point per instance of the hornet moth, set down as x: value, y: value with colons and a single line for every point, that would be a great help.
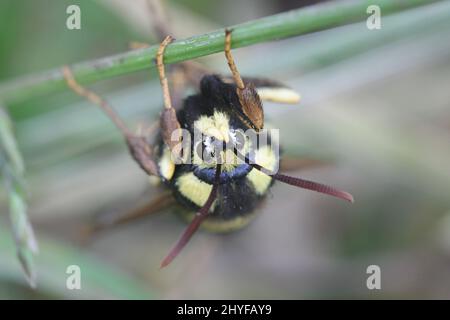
x: 219, y: 195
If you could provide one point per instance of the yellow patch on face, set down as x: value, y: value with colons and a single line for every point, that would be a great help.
x: 194, y: 189
x: 283, y: 95
x: 216, y: 126
x: 166, y: 165
x: 266, y: 158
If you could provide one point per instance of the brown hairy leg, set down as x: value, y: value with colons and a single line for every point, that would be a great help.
x: 108, y: 222
x: 170, y: 127
x: 138, y: 145
x: 234, y: 71
x: 252, y: 113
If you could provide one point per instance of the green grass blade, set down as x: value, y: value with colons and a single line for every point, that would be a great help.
x: 288, y: 24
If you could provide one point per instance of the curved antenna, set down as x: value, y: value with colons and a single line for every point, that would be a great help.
x: 306, y: 184
x: 201, y: 215
x: 297, y: 182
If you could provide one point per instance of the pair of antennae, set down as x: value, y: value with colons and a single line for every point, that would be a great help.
x: 168, y: 120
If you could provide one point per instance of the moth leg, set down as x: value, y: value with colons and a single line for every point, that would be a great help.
x: 251, y: 113
x: 162, y: 73
x: 180, y: 75
x: 138, y: 146
x: 234, y: 71
x: 95, y: 99
x: 267, y: 89
x: 170, y: 127
x: 108, y: 222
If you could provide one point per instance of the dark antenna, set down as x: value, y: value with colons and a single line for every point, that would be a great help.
x: 297, y: 182
x: 306, y: 184
x: 195, y: 223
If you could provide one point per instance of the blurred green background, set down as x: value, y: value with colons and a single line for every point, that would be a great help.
x: 375, y: 109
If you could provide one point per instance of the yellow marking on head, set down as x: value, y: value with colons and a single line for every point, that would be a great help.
x: 216, y: 126
x: 282, y: 95
x: 194, y: 189
x: 166, y: 165
x: 266, y: 158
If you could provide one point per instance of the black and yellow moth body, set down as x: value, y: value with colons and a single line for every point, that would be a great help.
x: 215, y: 112
x: 212, y: 150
